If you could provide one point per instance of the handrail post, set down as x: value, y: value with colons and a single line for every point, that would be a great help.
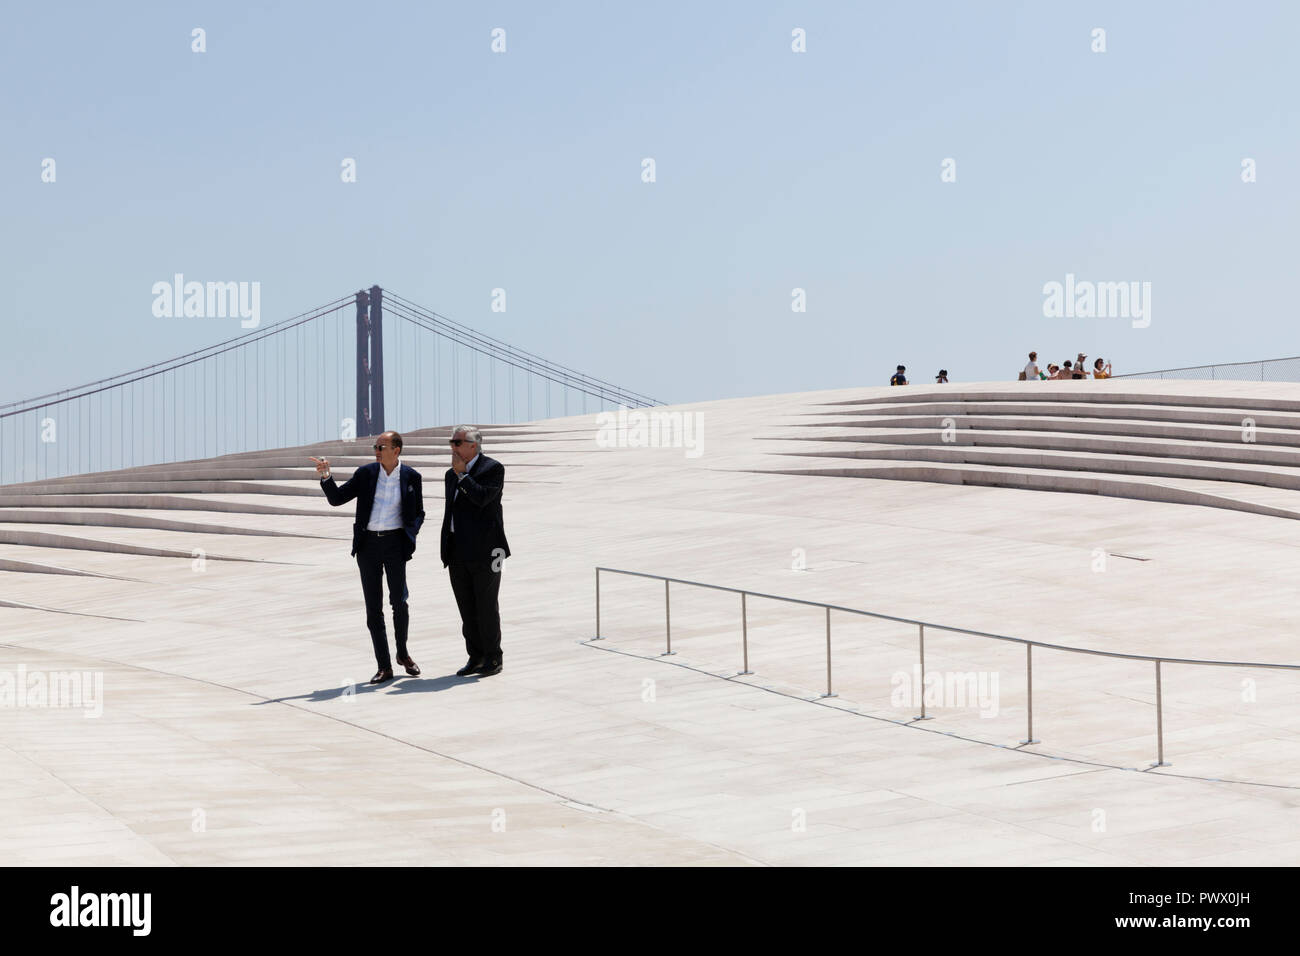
x: 1160, y: 724
x: 597, y: 637
x: 744, y: 635
x: 828, y: 693
x: 668, y: 623
x: 1029, y: 694
x: 922, y: 645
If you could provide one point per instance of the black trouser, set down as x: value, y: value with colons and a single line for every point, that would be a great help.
x: 476, y: 586
x: 380, y: 553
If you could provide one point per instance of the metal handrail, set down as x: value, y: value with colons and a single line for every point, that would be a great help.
x: 922, y: 625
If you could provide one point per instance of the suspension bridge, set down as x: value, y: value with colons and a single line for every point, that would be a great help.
x: 351, y: 368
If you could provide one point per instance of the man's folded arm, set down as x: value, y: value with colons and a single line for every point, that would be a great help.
x: 485, y: 492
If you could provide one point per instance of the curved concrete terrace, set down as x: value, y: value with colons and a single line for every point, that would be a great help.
x: 227, y: 696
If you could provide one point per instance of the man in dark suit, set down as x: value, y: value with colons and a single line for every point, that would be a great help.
x: 390, y: 510
x: 474, y: 547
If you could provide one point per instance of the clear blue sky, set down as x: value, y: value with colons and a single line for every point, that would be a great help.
x: 775, y: 170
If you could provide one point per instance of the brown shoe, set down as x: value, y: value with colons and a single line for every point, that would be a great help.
x: 381, y: 675
x: 412, y: 669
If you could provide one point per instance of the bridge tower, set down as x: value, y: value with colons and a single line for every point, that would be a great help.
x: 370, y: 362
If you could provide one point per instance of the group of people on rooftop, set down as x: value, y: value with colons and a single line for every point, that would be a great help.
x: 900, y: 376
x: 1068, y: 370
x: 1078, y: 368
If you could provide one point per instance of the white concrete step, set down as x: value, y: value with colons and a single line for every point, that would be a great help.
x: 1111, y: 427
x: 1124, y: 465
x: 1169, y: 394
x: 1250, y: 453
x: 114, y: 519
x: 1215, y: 494
x: 1208, y: 415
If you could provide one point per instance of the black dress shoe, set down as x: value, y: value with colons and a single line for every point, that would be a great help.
x: 472, y: 665
x: 412, y: 669
x: 489, y: 668
x: 381, y: 675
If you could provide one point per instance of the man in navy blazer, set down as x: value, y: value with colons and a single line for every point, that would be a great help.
x: 390, y: 510
x: 474, y: 547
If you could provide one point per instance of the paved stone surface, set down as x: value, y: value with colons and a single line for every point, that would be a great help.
x: 230, y: 732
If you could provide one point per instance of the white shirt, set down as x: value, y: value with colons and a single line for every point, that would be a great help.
x: 456, y: 494
x: 1031, y: 371
x: 386, y: 512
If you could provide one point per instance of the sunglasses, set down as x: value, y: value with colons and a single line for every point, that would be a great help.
x: 381, y: 447
x: 460, y: 441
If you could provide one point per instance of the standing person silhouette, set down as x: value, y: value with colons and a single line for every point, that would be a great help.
x: 1031, y: 370
x: 474, y: 547
x: 390, y: 511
